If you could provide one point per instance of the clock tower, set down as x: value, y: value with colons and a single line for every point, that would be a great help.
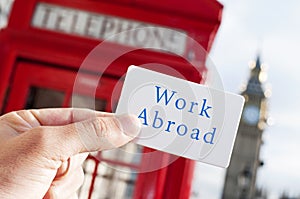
x: 241, y: 174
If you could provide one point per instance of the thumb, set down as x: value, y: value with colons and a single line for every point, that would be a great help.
x: 103, y: 133
x: 94, y: 134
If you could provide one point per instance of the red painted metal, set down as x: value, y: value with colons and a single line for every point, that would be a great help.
x: 33, y: 57
x: 179, y: 171
x: 93, y: 176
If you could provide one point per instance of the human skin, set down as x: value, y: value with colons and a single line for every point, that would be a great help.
x: 41, y: 151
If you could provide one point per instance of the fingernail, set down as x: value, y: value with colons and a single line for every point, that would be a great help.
x: 130, y: 124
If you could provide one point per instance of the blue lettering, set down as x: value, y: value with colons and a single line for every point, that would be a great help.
x: 184, y: 129
x: 192, y: 106
x: 143, y: 115
x: 204, y: 109
x: 156, y: 118
x: 169, y: 125
x: 195, y: 134
x: 160, y: 96
x: 209, y: 136
x: 182, y: 105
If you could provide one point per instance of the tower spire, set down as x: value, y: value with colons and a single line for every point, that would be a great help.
x: 257, y: 63
x: 254, y: 85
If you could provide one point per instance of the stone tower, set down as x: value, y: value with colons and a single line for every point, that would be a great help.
x: 241, y: 173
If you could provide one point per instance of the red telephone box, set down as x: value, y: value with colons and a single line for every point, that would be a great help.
x: 43, y: 47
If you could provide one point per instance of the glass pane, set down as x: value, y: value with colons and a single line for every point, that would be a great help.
x: 44, y: 98
x: 88, y: 168
x: 114, y: 107
x: 81, y: 101
x: 130, y: 153
x: 5, y: 8
x: 110, y: 177
x: 113, y: 183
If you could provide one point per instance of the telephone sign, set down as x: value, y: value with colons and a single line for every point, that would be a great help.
x: 99, y: 26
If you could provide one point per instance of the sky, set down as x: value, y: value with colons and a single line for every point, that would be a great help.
x: 272, y: 29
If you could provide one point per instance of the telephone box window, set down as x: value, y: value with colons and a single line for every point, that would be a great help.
x: 5, y: 8
x: 130, y: 153
x: 81, y: 101
x: 88, y: 166
x: 113, y: 182
x: 44, y: 98
x: 115, y: 171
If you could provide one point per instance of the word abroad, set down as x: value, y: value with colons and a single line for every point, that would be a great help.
x: 169, y: 98
x: 180, y: 129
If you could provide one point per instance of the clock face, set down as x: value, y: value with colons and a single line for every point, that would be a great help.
x: 251, y: 114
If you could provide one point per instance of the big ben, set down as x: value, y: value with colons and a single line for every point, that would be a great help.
x: 241, y: 174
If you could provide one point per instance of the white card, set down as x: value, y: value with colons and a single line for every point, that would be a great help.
x: 182, y: 117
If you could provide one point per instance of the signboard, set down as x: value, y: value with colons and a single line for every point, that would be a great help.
x: 93, y: 25
x: 182, y: 117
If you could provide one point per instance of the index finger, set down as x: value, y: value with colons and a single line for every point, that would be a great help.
x: 24, y: 120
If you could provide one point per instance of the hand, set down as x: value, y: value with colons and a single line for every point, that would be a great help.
x: 42, y: 150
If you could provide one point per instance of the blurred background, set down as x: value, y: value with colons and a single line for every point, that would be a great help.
x: 271, y: 30
x: 255, y: 50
